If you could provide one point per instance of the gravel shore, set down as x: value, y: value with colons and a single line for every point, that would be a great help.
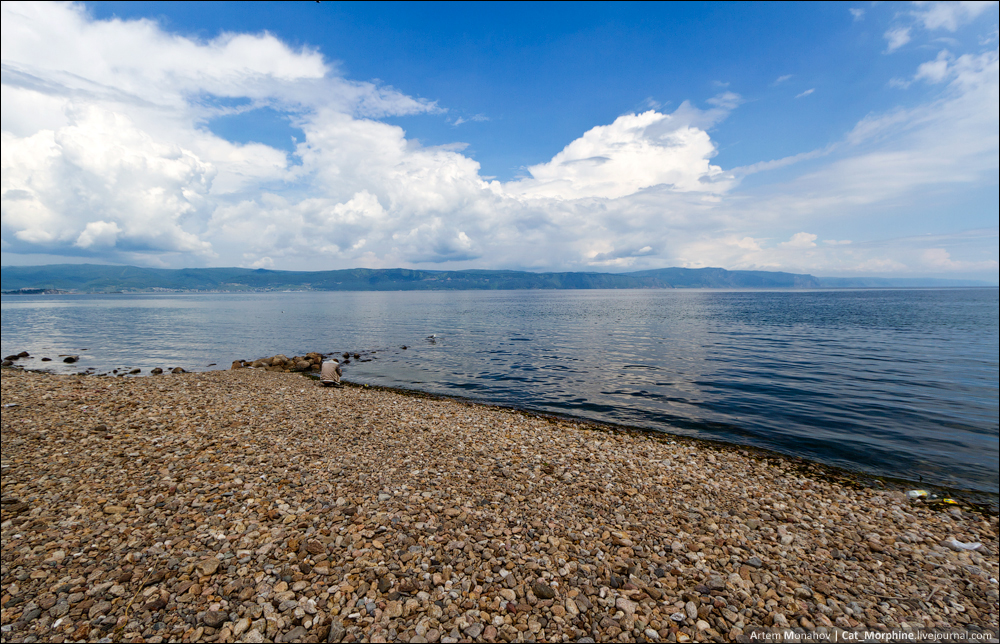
x: 255, y: 506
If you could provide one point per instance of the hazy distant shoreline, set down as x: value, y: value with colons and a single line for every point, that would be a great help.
x: 92, y: 278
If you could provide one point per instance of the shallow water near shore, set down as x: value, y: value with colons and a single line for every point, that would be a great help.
x: 900, y: 383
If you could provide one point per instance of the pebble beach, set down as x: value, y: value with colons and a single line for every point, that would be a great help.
x: 255, y: 505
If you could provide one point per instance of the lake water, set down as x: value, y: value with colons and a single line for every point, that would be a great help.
x: 900, y: 383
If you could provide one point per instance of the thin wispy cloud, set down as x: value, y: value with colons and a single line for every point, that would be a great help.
x: 896, y: 38
x: 931, y: 17
x: 806, y: 93
x: 949, y: 15
x: 476, y: 118
x: 651, y: 104
x: 934, y: 71
x: 774, y: 164
x: 725, y: 100
x: 781, y: 79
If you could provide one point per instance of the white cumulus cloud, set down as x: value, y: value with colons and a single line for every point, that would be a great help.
x: 100, y: 165
x: 801, y: 240
x: 108, y: 153
x: 637, y: 151
x: 98, y: 233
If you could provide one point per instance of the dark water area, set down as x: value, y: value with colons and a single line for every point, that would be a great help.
x: 900, y: 383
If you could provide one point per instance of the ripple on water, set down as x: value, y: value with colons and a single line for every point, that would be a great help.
x: 897, y: 382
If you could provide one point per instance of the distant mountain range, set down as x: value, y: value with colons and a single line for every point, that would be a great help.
x: 93, y: 278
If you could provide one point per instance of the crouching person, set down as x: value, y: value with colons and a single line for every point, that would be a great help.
x: 330, y: 373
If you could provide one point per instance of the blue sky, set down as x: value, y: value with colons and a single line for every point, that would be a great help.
x: 836, y: 139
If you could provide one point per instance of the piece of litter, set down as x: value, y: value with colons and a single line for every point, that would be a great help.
x: 959, y: 546
x: 916, y: 494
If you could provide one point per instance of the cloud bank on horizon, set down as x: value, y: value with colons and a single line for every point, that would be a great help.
x: 108, y: 156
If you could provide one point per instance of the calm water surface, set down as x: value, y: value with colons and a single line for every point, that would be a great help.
x: 894, y: 382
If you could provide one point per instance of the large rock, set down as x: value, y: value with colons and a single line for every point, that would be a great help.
x: 625, y: 605
x: 297, y: 633
x: 392, y: 610
x: 100, y: 608
x: 214, y: 618
x: 157, y: 604
x: 337, y: 631
x: 208, y: 566
x: 543, y: 590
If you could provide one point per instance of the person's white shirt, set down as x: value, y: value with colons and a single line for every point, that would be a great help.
x: 330, y: 372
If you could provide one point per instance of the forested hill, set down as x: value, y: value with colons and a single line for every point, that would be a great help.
x: 93, y: 278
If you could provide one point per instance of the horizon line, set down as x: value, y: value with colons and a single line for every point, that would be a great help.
x: 513, y: 270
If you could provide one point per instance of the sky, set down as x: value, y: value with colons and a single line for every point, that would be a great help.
x: 842, y: 139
